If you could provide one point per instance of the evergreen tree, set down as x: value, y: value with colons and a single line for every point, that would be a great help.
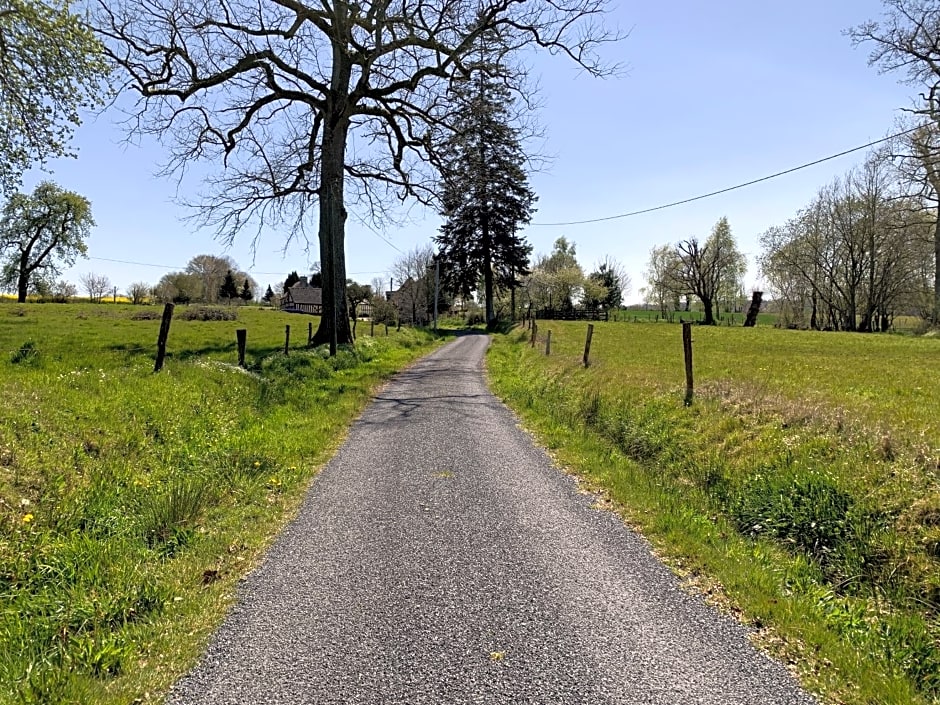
x: 268, y: 295
x: 245, y: 293
x: 485, y: 194
x: 228, y: 290
x: 292, y: 279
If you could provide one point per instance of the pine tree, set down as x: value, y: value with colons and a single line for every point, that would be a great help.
x: 245, y: 293
x: 268, y: 295
x: 228, y: 290
x: 485, y: 194
x: 292, y: 279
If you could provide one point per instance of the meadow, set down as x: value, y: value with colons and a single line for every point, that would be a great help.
x: 131, y: 502
x: 800, y: 490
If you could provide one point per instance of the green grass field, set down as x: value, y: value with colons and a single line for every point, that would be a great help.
x: 801, y: 487
x: 131, y: 502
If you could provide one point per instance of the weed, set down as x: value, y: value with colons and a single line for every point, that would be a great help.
x: 26, y: 354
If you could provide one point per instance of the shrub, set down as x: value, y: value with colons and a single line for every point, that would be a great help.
x: 26, y: 354
x: 147, y: 315
x: 208, y: 313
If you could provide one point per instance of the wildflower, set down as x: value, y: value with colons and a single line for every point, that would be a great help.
x: 257, y: 464
x: 27, y: 518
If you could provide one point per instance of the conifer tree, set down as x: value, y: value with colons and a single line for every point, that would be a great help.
x: 485, y: 194
x: 268, y: 295
x: 245, y: 294
x: 228, y: 290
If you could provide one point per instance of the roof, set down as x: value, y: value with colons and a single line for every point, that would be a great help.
x: 306, y: 294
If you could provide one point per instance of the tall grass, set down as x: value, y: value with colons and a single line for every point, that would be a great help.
x: 130, y: 502
x: 815, y: 455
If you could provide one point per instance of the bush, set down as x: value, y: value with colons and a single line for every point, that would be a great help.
x: 27, y: 354
x: 147, y: 315
x: 208, y: 313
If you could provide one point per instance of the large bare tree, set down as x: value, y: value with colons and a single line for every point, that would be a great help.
x: 275, y: 89
x: 907, y: 39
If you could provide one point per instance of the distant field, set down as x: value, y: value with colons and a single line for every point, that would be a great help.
x: 131, y: 502
x: 804, y: 478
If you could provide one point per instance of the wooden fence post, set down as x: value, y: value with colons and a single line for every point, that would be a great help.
x: 309, y: 332
x: 286, y: 338
x: 587, y: 345
x: 535, y: 332
x: 548, y: 343
x: 241, y: 336
x: 687, y: 352
x: 161, y: 338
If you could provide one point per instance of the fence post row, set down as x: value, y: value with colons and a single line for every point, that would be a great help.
x: 241, y: 337
x: 687, y: 352
x: 587, y: 344
x: 161, y: 338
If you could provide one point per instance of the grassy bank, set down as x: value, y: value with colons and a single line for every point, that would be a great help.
x: 800, y: 488
x: 130, y: 502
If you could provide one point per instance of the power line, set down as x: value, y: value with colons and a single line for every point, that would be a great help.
x: 732, y: 188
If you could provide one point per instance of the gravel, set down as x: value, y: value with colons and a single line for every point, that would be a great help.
x: 440, y: 557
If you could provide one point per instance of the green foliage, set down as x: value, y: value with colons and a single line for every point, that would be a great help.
x: 228, y: 290
x: 39, y: 234
x: 51, y: 68
x: 485, y: 194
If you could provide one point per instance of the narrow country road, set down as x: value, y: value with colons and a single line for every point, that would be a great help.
x: 441, y: 558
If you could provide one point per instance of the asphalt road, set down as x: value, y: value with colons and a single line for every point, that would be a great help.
x: 441, y: 558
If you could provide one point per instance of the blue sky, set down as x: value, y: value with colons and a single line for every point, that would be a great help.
x: 713, y: 94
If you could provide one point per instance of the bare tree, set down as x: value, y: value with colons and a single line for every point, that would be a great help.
x: 414, y: 293
x: 274, y: 89
x: 706, y: 269
x: 906, y: 40
x: 96, y: 285
x: 138, y: 292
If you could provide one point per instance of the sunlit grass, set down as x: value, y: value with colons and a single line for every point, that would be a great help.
x: 803, y: 478
x: 131, y: 502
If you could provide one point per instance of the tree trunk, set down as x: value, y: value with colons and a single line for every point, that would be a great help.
x: 488, y: 272
x: 751, y: 320
x: 936, y: 271
x: 22, y: 278
x: 334, y: 323
x: 709, y: 315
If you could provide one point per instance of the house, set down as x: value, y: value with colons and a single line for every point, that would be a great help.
x: 303, y: 298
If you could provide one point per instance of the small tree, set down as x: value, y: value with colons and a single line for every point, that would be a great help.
x: 41, y: 233
x: 706, y: 270
x: 228, y: 290
x: 245, y: 294
x: 63, y: 291
x: 356, y: 294
x: 611, y: 275
x: 95, y: 285
x: 268, y: 295
x: 138, y: 292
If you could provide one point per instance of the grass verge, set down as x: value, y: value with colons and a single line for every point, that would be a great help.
x: 131, y: 502
x: 812, y: 516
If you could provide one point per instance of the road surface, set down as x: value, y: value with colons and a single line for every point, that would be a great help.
x: 441, y: 558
